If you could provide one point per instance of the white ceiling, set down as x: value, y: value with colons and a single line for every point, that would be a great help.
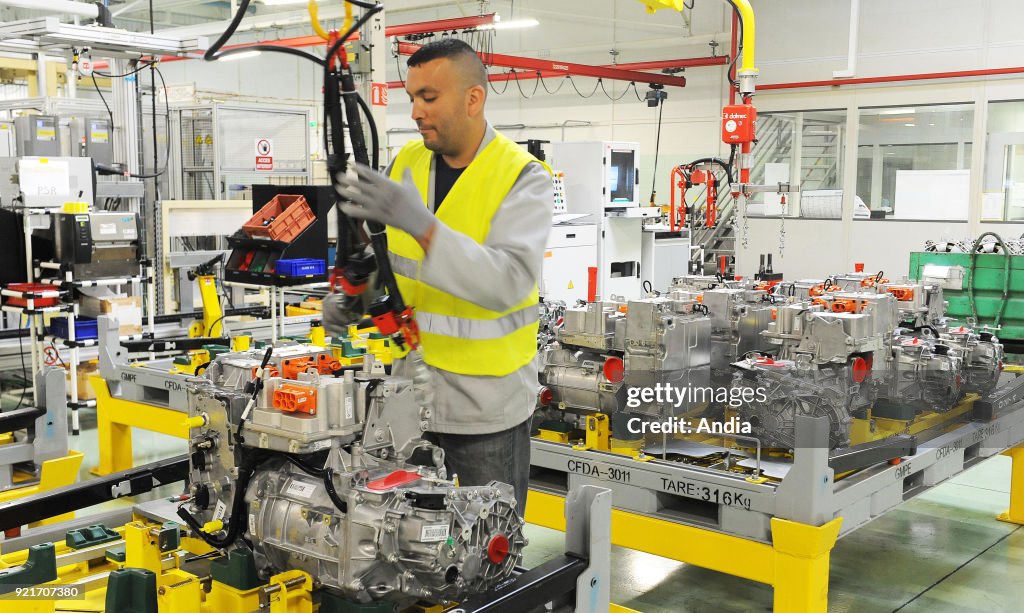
x: 573, y: 28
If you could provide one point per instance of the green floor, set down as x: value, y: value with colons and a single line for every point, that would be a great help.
x: 943, y: 551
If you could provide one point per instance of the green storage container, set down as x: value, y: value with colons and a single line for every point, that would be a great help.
x: 989, y: 280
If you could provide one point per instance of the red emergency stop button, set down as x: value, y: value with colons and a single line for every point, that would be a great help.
x: 497, y: 549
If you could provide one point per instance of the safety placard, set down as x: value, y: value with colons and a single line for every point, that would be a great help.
x: 379, y: 94
x: 264, y: 154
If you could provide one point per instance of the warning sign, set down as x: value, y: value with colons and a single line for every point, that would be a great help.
x: 264, y: 154
x: 379, y: 94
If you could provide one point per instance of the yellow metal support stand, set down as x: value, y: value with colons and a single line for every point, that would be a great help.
x: 1015, y: 514
x: 317, y: 335
x: 115, y: 419
x: 598, y: 433
x: 54, y: 473
x: 801, y: 564
x: 796, y: 564
x: 213, y: 315
x: 290, y: 592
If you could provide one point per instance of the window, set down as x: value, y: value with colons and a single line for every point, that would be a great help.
x: 914, y: 162
x: 805, y: 148
x: 1003, y: 183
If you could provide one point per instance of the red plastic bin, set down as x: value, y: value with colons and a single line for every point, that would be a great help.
x: 281, y: 219
x: 32, y: 287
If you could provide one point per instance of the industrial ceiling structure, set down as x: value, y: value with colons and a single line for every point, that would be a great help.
x: 621, y: 30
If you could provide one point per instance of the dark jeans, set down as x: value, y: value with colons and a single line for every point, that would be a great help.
x: 479, y: 459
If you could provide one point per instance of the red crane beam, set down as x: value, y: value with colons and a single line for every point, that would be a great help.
x: 556, y: 68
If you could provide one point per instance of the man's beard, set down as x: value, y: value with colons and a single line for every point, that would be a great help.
x: 439, y: 147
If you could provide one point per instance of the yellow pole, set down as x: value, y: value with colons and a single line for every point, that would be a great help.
x: 747, y: 60
x: 317, y: 335
x: 213, y: 315
x: 1015, y: 514
x: 801, y: 564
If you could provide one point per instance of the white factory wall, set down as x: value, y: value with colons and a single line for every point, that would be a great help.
x: 813, y: 249
x: 797, y: 40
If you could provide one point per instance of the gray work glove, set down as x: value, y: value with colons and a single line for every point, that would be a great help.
x: 378, y: 198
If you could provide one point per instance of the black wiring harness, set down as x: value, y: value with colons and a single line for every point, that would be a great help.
x: 342, y: 106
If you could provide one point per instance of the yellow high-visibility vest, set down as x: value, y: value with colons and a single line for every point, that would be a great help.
x: 457, y: 335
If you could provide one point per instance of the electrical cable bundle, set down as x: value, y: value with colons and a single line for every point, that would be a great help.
x: 341, y: 103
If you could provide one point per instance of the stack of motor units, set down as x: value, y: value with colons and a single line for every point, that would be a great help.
x: 847, y: 347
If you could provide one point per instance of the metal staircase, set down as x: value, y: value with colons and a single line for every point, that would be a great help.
x: 820, y: 154
x: 820, y: 166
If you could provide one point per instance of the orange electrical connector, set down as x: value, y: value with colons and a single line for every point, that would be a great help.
x: 270, y: 370
x: 326, y: 364
x: 291, y: 367
x: 821, y: 288
x: 295, y: 399
x: 870, y: 281
x: 903, y: 294
x: 847, y: 305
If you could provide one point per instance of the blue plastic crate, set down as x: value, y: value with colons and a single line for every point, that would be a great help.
x: 85, y: 328
x: 300, y: 267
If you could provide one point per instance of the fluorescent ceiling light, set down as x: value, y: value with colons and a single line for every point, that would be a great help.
x: 899, y: 111
x: 512, y: 24
x: 910, y: 125
x: 283, y: 2
x: 241, y: 55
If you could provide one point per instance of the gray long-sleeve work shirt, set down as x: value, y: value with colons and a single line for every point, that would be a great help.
x: 495, y: 275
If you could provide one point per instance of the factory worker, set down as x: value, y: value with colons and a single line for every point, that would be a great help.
x: 468, y: 212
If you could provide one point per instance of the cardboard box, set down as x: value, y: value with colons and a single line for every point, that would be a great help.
x: 96, y: 301
x: 83, y: 372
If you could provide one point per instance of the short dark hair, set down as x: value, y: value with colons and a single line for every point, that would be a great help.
x: 457, y: 51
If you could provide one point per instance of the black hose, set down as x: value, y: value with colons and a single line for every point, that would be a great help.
x: 720, y: 162
x: 251, y: 460
x: 1006, y: 277
x: 312, y: 471
x: 272, y: 49
x: 739, y: 43
x: 331, y: 492
x: 372, y: 125
x: 257, y: 385
x: 371, y: 10
x: 355, y: 123
x: 211, y: 53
